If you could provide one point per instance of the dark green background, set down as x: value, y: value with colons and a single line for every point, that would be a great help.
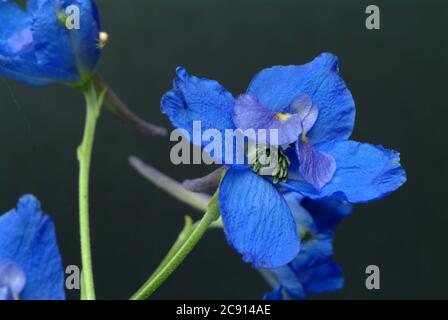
x: 397, y: 75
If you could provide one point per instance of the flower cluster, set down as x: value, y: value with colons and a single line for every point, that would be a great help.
x: 282, y: 223
x: 313, y: 111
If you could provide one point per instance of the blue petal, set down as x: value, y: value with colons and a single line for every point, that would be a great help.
x: 12, y: 277
x: 327, y: 212
x: 290, y: 284
x: 14, y: 28
x: 277, y: 87
x: 323, y: 278
x: 301, y: 216
x: 37, y: 49
x: 32, y: 73
x: 27, y: 237
x: 364, y: 173
x: 249, y: 114
x: 277, y: 294
x: 196, y: 99
x: 257, y: 220
x: 6, y: 294
x: 314, y: 251
x: 75, y: 50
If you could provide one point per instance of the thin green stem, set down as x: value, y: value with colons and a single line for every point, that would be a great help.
x: 93, y: 106
x: 179, y: 251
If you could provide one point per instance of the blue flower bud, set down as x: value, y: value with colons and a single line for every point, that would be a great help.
x: 51, y: 41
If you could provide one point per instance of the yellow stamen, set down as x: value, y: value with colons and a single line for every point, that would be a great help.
x: 283, y: 116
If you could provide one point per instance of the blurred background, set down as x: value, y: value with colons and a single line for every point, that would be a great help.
x: 397, y: 75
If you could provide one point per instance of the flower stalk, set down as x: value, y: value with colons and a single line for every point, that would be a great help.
x: 185, y: 243
x: 84, y: 153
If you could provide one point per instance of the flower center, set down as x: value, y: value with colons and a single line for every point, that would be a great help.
x: 270, y: 161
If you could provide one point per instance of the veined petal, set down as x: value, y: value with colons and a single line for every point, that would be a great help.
x: 27, y: 238
x: 75, y: 50
x: 364, y: 172
x: 249, y: 114
x: 257, y: 220
x: 317, y: 168
x: 197, y: 99
x: 277, y: 87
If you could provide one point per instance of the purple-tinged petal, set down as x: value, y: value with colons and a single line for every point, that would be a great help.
x: 12, y: 277
x: 317, y: 168
x: 277, y: 87
x: 5, y: 294
x: 257, y: 220
x: 307, y: 111
x: 248, y: 113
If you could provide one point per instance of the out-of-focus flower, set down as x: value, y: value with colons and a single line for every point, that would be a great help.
x: 38, y: 46
x: 30, y: 262
x: 313, y: 270
x: 313, y: 112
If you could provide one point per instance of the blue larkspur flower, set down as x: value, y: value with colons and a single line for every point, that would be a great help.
x: 37, y: 48
x: 314, y: 113
x: 30, y: 262
x: 313, y: 270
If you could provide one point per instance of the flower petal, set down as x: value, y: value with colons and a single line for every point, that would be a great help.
x: 323, y: 278
x: 196, y: 99
x: 364, y: 173
x: 304, y: 107
x: 257, y: 220
x: 249, y: 114
x: 6, y: 294
x: 277, y: 87
x: 73, y: 50
x: 327, y: 212
x: 317, y: 168
x: 14, y: 28
x: 290, y: 286
x: 12, y: 277
x: 27, y: 238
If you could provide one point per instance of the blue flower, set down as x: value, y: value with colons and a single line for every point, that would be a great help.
x: 313, y: 270
x: 37, y: 48
x: 30, y: 262
x: 313, y: 112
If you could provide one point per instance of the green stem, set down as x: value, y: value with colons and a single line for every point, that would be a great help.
x: 93, y: 106
x: 179, y: 251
